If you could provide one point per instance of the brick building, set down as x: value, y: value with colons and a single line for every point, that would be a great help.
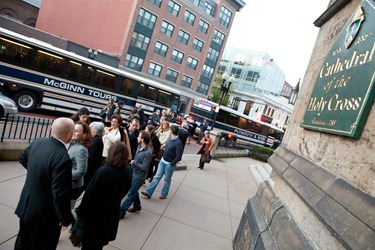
x: 178, y: 42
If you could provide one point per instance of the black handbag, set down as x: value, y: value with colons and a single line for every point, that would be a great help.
x: 206, y: 158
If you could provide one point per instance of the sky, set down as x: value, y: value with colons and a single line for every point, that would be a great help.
x: 282, y: 29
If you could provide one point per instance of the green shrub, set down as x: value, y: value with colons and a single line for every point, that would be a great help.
x: 261, y: 153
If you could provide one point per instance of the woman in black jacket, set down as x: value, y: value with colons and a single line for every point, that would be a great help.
x: 100, y: 204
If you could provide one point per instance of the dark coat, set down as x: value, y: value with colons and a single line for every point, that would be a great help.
x: 133, y: 142
x: 45, y: 197
x: 101, y: 202
x: 94, y: 159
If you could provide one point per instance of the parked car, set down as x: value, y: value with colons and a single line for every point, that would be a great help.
x: 7, y: 106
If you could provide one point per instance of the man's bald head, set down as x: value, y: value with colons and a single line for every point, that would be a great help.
x: 63, y: 128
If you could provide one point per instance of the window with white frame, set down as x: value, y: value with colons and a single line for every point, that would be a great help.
x: 218, y: 37
x: 167, y: 28
x: 213, y: 54
x: 177, y: 56
x: 161, y: 48
x: 154, y: 69
x: 183, y: 37
x: 157, y: 3
x: 207, y: 71
x: 173, y: 8
x: 225, y: 16
x: 139, y: 40
x: 186, y: 81
x: 133, y: 62
x: 202, y: 88
x: 171, y: 75
x: 189, y: 17
x: 203, y: 26
x: 146, y: 18
x: 197, y: 44
x: 192, y: 63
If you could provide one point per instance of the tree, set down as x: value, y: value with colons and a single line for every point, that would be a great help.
x: 216, y: 92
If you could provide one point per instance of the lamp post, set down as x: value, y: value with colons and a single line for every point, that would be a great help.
x: 224, y: 88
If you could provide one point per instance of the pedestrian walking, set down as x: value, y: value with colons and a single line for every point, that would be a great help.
x: 44, y: 205
x: 139, y: 166
x: 101, y: 201
x: 167, y: 165
x: 156, y: 147
x: 191, y: 130
x: 202, y: 128
x: 205, y: 150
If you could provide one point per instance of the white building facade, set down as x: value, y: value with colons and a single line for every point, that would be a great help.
x: 256, y: 90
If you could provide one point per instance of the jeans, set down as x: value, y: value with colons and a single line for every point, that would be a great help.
x: 133, y: 196
x: 164, y: 168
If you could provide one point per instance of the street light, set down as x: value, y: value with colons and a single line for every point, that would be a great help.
x: 224, y: 88
x: 92, y: 54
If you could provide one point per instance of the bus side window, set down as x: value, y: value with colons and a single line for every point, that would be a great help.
x: 164, y: 98
x: 75, y: 71
x: 250, y: 125
x: 15, y: 52
x: 50, y: 63
x: 257, y: 128
x: 104, y: 79
x: 148, y: 92
x: 129, y: 87
x: 242, y: 123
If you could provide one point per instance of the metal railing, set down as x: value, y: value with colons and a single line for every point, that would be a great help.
x: 24, y: 128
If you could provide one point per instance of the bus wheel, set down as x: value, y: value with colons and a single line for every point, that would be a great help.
x: 231, y: 143
x: 26, y: 100
x: 222, y: 142
x: 1, y: 112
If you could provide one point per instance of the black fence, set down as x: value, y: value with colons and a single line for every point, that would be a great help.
x: 24, y: 128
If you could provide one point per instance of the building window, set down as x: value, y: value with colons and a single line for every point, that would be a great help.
x: 146, y: 18
x: 177, y: 56
x: 197, y: 44
x: 236, y: 72
x: 161, y: 49
x: 154, y: 69
x: 252, y: 76
x: 183, y: 37
x: 202, y: 88
x: 171, y: 75
x: 157, y: 3
x: 203, y: 26
x: 213, y: 54
x: 167, y: 28
x: 192, y: 63
x: 225, y: 16
x: 208, y: 8
x: 189, y: 17
x: 186, y: 81
x: 173, y: 8
x: 207, y: 71
x: 133, y: 62
x: 218, y: 37
x: 139, y: 40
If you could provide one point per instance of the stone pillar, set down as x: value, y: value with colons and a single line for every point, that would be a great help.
x: 324, y: 181
x: 216, y: 137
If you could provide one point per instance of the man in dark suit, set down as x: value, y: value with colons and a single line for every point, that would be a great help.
x: 44, y: 205
x: 133, y: 133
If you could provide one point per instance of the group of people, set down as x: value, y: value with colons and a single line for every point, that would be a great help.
x: 105, y: 164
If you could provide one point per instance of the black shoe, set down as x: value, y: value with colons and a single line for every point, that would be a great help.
x: 133, y: 210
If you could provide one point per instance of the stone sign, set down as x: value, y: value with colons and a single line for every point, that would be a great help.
x: 344, y: 90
